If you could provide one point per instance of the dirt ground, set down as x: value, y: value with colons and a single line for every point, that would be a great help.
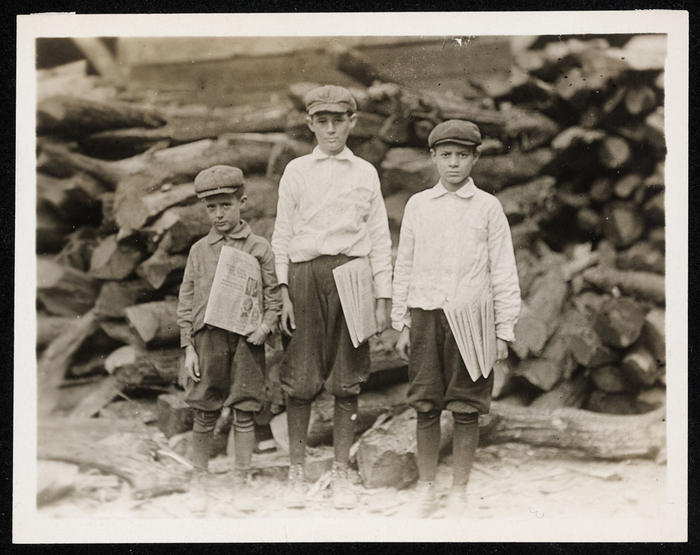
x: 508, y: 481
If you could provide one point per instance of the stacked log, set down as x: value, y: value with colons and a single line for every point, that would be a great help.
x: 573, y: 148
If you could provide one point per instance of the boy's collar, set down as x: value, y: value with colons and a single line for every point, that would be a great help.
x: 345, y: 154
x: 241, y: 231
x: 465, y: 191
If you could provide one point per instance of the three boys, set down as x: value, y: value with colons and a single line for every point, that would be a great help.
x: 454, y: 237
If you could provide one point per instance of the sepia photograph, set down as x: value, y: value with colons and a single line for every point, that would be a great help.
x: 441, y: 315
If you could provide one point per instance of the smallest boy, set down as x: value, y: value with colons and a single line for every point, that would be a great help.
x: 213, y: 379
x: 454, y: 240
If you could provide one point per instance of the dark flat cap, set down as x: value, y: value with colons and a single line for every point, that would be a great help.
x: 329, y: 98
x: 218, y: 179
x: 455, y: 131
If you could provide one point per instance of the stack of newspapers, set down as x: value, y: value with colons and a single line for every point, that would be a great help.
x: 472, y: 323
x: 354, y: 282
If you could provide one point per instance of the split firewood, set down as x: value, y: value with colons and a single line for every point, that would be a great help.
x: 156, y: 322
x: 177, y: 228
x: 108, y: 389
x: 623, y: 223
x: 119, y: 447
x: 49, y: 327
x: 73, y: 116
x: 627, y: 185
x: 77, y: 252
x: 284, y: 152
x: 601, y: 189
x: 115, y: 296
x: 651, y: 399
x: 571, y: 393
x: 183, y: 130
x: 75, y: 199
x: 118, y: 330
x: 358, y: 66
x: 539, y: 316
x: 530, y: 200
x: 642, y: 257
x: 407, y: 169
x: 494, y: 173
x: 642, y: 285
x: 135, y: 212
x: 51, y: 231
x: 654, y: 334
x: 640, y: 366
x: 161, y: 266
x: 620, y: 321
x: 65, y: 291
x: 614, y: 153
x: 556, y: 362
x: 137, y: 367
x: 624, y: 403
x: 655, y: 209
x: 577, y: 135
x: 115, y: 260
x: 56, y: 359
x: 609, y: 378
x: 640, y: 100
x: 175, y: 416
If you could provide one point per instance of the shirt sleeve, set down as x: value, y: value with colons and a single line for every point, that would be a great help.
x: 184, y: 305
x: 380, y: 251
x: 400, y: 316
x: 282, y: 234
x: 504, y: 274
x: 272, y: 300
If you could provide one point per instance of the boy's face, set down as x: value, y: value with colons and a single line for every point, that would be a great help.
x: 454, y: 163
x: 224, y: 210
x: 331, y: 130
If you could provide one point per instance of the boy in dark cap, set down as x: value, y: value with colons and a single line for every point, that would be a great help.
x: 330, y: 211
x: 454, y: 240
x: 213, y: 379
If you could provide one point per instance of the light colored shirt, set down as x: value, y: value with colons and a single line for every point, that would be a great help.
x: 450, y: 241
x: 332, y: 205
x: 199, y: 276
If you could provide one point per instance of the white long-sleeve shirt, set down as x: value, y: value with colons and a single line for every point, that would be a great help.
x: 454, y: 240
x: 332, y: 205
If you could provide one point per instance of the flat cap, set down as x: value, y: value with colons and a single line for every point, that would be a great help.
x: 216, y: 180
x: 455, y: 131
x: 329, y: 98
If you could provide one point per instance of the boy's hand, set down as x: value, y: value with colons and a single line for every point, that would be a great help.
x: 287, y: 322
x: 501, y: 349
x: 380, y: 314
x: 403, y: 345
x: 192, y: 363
x: 256, y: 337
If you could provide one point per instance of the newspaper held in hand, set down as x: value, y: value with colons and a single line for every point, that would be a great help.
x: 235, y: 301
x: 472, y: 322
x: 354, y: 282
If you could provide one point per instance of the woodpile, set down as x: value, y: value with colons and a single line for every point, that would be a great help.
x: 574, y: 148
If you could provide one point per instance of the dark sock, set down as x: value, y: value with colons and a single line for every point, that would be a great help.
x: 344, y: 418
x: 428, y: 444
x: 243, y: 438
x: 298, y: 415
x: 202, y: 433
x: 465, y: 439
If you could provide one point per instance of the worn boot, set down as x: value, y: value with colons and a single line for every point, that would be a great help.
x: 200, y: 449
x: 457, y: 502
x: 343, y: 495
x: 425, y: 503
x: 296, y: 490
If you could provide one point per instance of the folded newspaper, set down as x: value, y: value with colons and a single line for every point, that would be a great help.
x: 472, y: 322
x: 354, y: 282
x: 235, y: 302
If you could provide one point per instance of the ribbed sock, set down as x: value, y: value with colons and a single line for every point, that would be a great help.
x: 243, y: 438
x: 298, y: 416
x: 428, y: 444
x: 465, y: 440
x: 344, y: 418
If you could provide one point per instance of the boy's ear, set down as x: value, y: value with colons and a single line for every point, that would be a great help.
x: 243, y: 200
x: 309, y: 121
x: 432, y: 155
x: 353, y: 120
x: 477, y: 154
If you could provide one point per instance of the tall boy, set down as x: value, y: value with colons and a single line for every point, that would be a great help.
x: 454, y: 238
x: 209, y: 351
x: 330, y: 211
